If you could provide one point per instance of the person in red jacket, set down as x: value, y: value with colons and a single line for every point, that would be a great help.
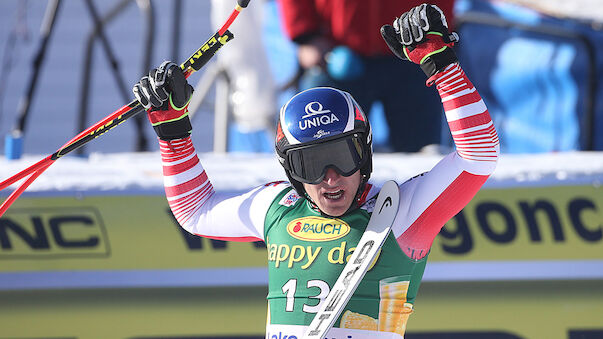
x: 339, y: 45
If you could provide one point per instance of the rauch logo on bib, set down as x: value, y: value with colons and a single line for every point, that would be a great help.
x: 317, y: 228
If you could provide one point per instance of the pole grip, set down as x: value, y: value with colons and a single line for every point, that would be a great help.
x: 207, y: 51
x: 243, y: 3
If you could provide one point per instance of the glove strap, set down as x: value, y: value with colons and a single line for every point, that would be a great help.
x: 432, y: 55
x: 438, y: 60
x: 171, y: 122
x: 174, y: 129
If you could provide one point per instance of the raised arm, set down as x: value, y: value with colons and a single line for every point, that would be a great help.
x: 431, y: 199
x: 165, y: 94
x: 200, y: 209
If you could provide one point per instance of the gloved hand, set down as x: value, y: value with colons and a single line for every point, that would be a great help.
x: 421, y: 35
x: 165, y: 94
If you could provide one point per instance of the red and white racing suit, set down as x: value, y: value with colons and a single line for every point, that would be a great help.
x: 427, y: 201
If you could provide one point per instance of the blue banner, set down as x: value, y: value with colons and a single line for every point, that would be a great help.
x: 537, y: 74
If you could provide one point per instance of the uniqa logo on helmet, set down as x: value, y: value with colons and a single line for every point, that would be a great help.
x: 316, y: 115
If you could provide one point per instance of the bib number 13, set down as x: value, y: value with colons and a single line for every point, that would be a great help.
x: 290, y: 287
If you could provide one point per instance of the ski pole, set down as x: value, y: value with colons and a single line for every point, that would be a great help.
x: 191, y: 65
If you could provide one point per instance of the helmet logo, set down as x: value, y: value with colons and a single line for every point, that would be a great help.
x: 312, y: 120
x: 310, y: 110
x: 321, y: 133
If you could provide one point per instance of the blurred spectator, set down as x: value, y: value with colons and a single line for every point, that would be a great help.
x: 339, y: 45
x: 253, y: 97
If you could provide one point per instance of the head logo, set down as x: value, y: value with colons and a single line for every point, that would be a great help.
x: 316, y: 116
x: 321, y: 133
x: 317, y: 228
x: 289, y: 199
x: 310, y: 110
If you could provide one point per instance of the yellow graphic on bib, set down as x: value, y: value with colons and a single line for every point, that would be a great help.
x: 393, y: 309
x: 357, y: 321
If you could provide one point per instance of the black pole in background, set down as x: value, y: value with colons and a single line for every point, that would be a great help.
x: 140, y: 120
x: 87, y: 64
x: 19, y: 31
x: 98, y: 31
x: 176, y: 19
x: 16, y: 142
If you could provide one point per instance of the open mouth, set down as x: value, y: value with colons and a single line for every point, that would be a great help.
x: 336, y: 195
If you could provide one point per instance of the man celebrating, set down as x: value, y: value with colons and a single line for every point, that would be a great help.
x: 312, y: 224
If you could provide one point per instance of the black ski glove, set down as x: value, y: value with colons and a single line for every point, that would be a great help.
x: 165, y: 94
x: 421, y: 35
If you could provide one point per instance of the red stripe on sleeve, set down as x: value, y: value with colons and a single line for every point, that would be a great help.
x: 477, y: 133
x: 454, y: 90
x: 461, y: 101
x: 181, y: 167
x: 468, y: 122
x: 417, y: 239
x: 184, y: 187
x: 191, y: 201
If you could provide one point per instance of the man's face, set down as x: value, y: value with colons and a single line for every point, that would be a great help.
x: 335, y: 193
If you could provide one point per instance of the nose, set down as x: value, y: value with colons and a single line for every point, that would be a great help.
x: 331, y: 177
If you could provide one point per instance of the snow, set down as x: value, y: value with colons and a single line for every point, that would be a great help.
x: 140, y: 173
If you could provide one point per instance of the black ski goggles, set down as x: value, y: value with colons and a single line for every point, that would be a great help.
x: 309, y: 164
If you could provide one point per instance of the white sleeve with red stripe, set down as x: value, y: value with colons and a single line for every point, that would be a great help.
x: 430, y: 200
x: 202, y: 211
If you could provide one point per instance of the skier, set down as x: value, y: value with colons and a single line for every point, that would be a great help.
x: 312, y: 224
